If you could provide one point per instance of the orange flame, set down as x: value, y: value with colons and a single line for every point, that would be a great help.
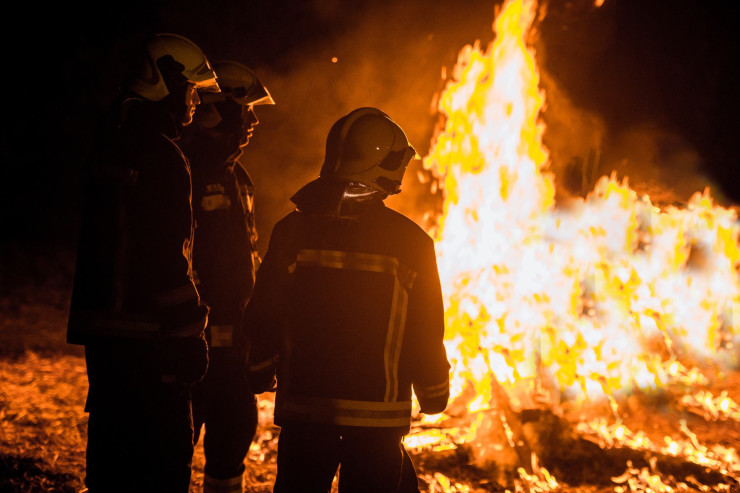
x: 552, y: 302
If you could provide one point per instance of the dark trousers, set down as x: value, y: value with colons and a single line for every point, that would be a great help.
x: 369, y: 460
x: 141, y: 449
x: 140, y: 430
x: 223, y: 403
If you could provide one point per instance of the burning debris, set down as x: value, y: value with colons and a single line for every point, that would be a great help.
x: 556, y: 309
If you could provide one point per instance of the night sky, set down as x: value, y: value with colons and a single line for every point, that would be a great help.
x: 652, y: 84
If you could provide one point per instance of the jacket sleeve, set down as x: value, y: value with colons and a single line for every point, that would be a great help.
x: 167, y: 224
x: 263, y: 318
x: 133, y: 276
x: 429, y: 365
x: 163, y: 241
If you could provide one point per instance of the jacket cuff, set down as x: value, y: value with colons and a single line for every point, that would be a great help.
x: 433, y: 398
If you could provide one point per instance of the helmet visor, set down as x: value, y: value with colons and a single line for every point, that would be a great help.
x: 397, y: 159
x: 239, y: 95
x: 208, y: 86
x: 256, y: 94
x: 209, y: 97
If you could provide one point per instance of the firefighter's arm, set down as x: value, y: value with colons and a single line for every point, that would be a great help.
x: 174, y: 295
x: 262, y: 354
x: 426, y: 321
x: 263, y: 319
x: 184, y: 348
x: 261, y: 375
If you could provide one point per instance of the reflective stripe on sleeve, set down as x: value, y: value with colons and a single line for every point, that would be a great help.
x: 215, y: 202
x: 213, y: 485
x: 344, y: 412
x: 432, y: 391
x: 222, y: 335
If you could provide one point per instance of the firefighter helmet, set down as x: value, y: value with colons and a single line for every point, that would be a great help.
x: 185, y: 57
x: 368, y: 147
x: 239, y: 84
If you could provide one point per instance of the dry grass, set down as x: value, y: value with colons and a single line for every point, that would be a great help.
x: 43, y: 386
x: 43, y: 428
x: 42, y: 423
x: 43, y: 434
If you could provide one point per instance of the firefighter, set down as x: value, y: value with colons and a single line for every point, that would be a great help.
x: 134, y: 305
x: 346, y: 316
x: 225, y: 258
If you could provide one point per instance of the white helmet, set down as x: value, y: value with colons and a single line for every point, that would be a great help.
x: 367, y: 146
x: 186, y: 58
x: 238, y: 83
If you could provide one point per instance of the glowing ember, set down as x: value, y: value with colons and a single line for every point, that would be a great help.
x: 717, y: 458
x: 712, y: 408
x: 552, y: 303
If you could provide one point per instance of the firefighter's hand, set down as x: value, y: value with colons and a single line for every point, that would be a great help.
x: 186, y: 358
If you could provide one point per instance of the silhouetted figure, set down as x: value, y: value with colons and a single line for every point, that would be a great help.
x: 225, y: 259
x: 134, y: 305
x: 347, y: 312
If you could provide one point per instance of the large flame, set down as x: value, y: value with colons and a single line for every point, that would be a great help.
x: 557, y: 303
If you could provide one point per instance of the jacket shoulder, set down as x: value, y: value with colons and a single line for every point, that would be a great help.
x: 403, y: 225
x: 288, y: 223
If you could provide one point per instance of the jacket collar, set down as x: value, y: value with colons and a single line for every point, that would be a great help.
x: 336, y: 198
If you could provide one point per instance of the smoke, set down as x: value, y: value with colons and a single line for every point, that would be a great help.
x: 386, y: 55
x: 574, y: 138
x: 609, y: 111
x: 657, y: 161
x: 602, y: 89
x: 391, y: 55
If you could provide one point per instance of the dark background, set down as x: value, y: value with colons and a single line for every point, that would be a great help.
x: 649, y: 84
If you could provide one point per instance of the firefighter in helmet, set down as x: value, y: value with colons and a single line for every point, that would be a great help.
x: 225, y: 259
x: 347, y: 316
x: 134, y: 304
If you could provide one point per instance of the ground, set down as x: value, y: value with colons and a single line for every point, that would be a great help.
x: 43, y: 384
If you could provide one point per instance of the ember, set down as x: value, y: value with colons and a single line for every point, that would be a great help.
x: 557, y: 308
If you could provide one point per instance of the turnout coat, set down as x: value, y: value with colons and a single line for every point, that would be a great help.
x: 133, y: 277
x: 225, y: 255
x: 134, y: 304
x: 347, y: 311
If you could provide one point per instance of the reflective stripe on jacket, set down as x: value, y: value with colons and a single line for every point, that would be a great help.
x: 343, y: 412
x: 349, y: 314
x: 225, y: 255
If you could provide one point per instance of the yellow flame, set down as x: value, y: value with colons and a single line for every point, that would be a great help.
x: 565, y: 300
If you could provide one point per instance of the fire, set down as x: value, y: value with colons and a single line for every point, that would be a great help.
x: 578, y: 302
